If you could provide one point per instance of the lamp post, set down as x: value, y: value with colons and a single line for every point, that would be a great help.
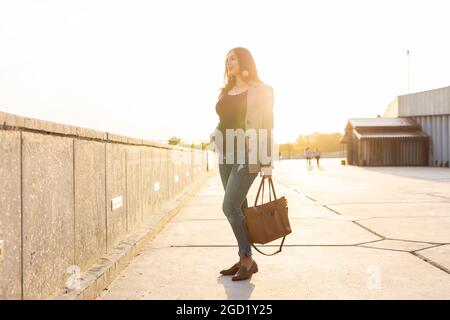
x: 408, y: 71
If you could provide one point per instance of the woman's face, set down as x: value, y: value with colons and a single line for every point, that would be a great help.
x: 232, y: 64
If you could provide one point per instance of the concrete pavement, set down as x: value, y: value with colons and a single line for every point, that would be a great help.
x: 358, y: 233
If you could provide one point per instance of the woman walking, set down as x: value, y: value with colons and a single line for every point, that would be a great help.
x: 245, y: 104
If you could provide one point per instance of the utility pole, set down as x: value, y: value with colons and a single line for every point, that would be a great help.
x: 409, y: 81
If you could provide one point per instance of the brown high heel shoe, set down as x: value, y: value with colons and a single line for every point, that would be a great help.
x: 231, y: 271
x: 244, y: 273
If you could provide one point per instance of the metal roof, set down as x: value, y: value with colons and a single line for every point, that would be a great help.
x: 376, y: 128
x: 390, y: 134
x: 425, y: 103
x: 381, y: 122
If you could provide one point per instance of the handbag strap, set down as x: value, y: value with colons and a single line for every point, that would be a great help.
x: 259, y: 190
x: 271, y: 254
x: 262, y: 194
x: 273, y: 188
x: 261, y: 185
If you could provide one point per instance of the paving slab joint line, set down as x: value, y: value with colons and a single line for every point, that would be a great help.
x: 375, y: 233
x: 384, y: 202
x: 96, y: 279
x: 264, y: 246
x: 403, y: 217
x: 355, y: 222
x: 367, y: 242
x: 310, y: 198
x: 384, y: 238
x: 430, y: 247
x: 400, y: 250
x: 386, y: 249
x: 364, y: 245
x: 433, y: 263
x: 292, y: 188
x: 415, y: 241
x: 326, y: 207
x: 437, y: 196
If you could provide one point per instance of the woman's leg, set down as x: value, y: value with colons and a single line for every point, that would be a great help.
x: 225, y: 170
x: 238, y: 184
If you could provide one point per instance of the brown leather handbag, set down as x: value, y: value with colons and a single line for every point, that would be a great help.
x: 268, y: 221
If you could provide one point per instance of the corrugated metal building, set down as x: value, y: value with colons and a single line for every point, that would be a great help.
x: 385, y: 142
x: 430, y: 109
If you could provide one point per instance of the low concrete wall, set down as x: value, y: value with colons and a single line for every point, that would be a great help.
x: 10, y: 215
x: 69, y: 196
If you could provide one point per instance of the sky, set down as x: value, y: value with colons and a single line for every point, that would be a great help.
x: 153, y: 69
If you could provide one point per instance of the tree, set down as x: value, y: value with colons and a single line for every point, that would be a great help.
x: 174, y: 140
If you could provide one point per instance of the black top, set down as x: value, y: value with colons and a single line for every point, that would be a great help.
x: 232, y: 110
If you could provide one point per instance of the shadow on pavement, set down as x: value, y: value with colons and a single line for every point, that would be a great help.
x: 236, y: 290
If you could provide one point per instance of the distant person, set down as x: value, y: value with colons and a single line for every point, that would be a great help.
x: 317, y: 156
x: 308, y: 157
x: 279, y: 155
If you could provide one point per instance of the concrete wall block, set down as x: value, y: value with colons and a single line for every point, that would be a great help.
x: 92, y: 134
x: 134, y: 188
x: 90, y: 205
x: 164, y: 171
x: 112, y: 137
x: 48, y: 126
x: 177, y: 172
x: 199, y: 161
x: 148, y: 181
x: 116, y: 218
x: 159, y: 172
x: 11, y: 120
x: 10, y: 216
x: 203, y: 162
x: 193, y: 166
x: 155, y: 144
x: 181, y: 169
x: 48, y: 213
x: 135, y: 141
x: 187, y: 169
x: 173, y: 177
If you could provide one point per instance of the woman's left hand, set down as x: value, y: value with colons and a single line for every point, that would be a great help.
x: 266, y: 172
